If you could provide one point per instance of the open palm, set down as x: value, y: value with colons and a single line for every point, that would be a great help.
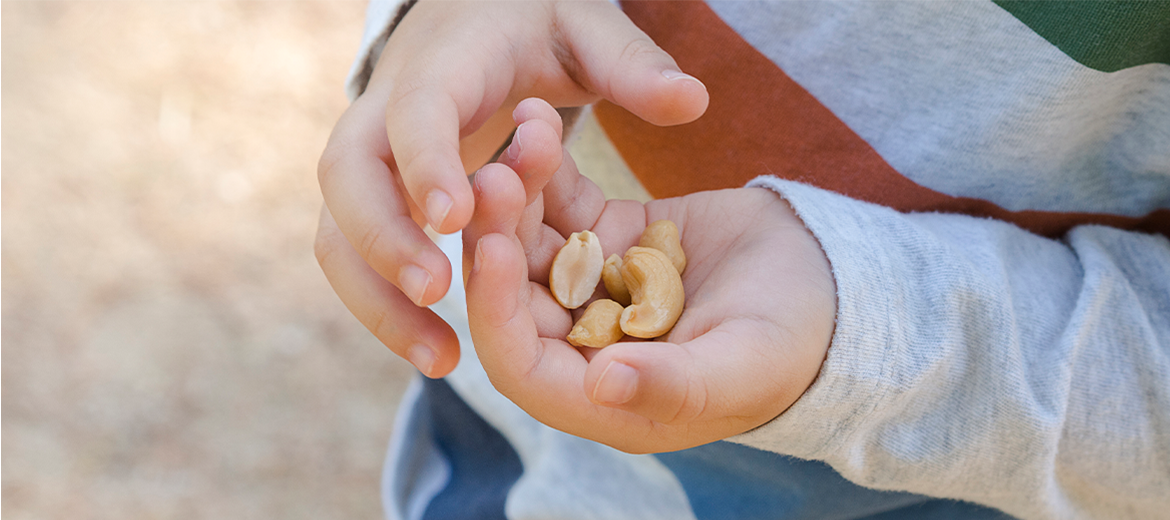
x: 757, y: 322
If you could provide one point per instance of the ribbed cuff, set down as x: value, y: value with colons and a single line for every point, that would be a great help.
x: 852, y: 379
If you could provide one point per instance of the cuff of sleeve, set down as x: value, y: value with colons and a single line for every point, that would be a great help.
x: 853, y: 378
x: 381, y: 18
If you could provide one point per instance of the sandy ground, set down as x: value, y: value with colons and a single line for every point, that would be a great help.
x: 170, y: 347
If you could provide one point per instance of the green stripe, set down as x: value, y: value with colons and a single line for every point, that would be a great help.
x: 1104, y: 35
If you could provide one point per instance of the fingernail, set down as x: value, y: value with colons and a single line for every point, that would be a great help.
x: 438, y: 205
x: 674, y: 74
x: 414, y: 280
x: 422, y: 357
x: 475, y: 184
x: 475, y: 264
x: 516, y: 148
x: 616, y: 385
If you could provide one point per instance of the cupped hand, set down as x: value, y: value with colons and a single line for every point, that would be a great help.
x: 442, y: 98
x: 760, y: 308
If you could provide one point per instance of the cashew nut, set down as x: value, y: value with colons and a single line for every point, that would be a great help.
x: 656, y: 290
x: 576, y: 270
x: 663, y: 236
x: 598, y: 327
x: 611, y: 276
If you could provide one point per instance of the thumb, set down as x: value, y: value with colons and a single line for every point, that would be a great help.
x: 717, y: 377
x: 656, y: 380
x: 612, y: 57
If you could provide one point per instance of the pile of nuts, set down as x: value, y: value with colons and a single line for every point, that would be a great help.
x: 645, y: 286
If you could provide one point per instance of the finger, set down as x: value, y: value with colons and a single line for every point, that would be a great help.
x: 552, y: 320
x: 502, y: 328
x: 540, y: 375
x: 620, y: 226
x: 614, y: 58
x: 536, y: 108
x: 499, y: 201
x: 540, y: 242
x: 499, y: 204
x: 424, y: 133
x: 656, y: 380
x: 535, y: 152
x: 414, y: 333
x: 430, y: 110
x: 370, y: 209
x: 719, y: 378
x: 572, y: 202
x: 485, y: 143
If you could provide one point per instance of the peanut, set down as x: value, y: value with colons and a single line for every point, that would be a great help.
x: 611, y: 276
x: 663, y: 236
x: 647, y: 281
x: 576, y: 270
x: 656, y: 291
x: 599, y: 327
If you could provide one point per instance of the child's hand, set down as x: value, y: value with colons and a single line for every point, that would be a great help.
x: 439, y: 102
x: 760, y: 307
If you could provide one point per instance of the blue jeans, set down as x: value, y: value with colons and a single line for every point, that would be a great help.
x: 722, y: 480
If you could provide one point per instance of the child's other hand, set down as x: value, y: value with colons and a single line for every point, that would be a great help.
x: 439, y: 103
x: 760, y: 307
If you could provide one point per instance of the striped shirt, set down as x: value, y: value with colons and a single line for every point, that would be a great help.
x: 991, y: 184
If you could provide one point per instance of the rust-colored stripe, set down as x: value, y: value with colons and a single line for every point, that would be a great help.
x: 760, y: 121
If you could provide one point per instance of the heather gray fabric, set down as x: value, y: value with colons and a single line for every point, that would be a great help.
x: 963, y: 98
x: 974, y: 360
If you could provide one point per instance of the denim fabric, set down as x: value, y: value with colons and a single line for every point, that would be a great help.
x: 726, y: 480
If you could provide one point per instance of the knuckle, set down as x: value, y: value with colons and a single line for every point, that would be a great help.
x: 324, y: 247
x: 355, y: 134
x: 529, y: 370
x: 384, y: 325
x: 411, y: 84
x: 693, y: 403
x: 417, y: 159
x: 327, y: 165
x: 640, y: 48
x: 328, y: 243
x: 637, y: 54
x: 373, y: 242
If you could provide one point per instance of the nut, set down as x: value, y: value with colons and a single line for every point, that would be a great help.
x: 576, y: 270
x: 663, y: 236
x: 656, y: 290
x: 611, y: 276
x: 599, y: 327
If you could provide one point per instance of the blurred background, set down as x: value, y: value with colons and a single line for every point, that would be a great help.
x: 170, y: 347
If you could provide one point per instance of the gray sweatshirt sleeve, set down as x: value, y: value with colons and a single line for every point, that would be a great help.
x: 976, y: 361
